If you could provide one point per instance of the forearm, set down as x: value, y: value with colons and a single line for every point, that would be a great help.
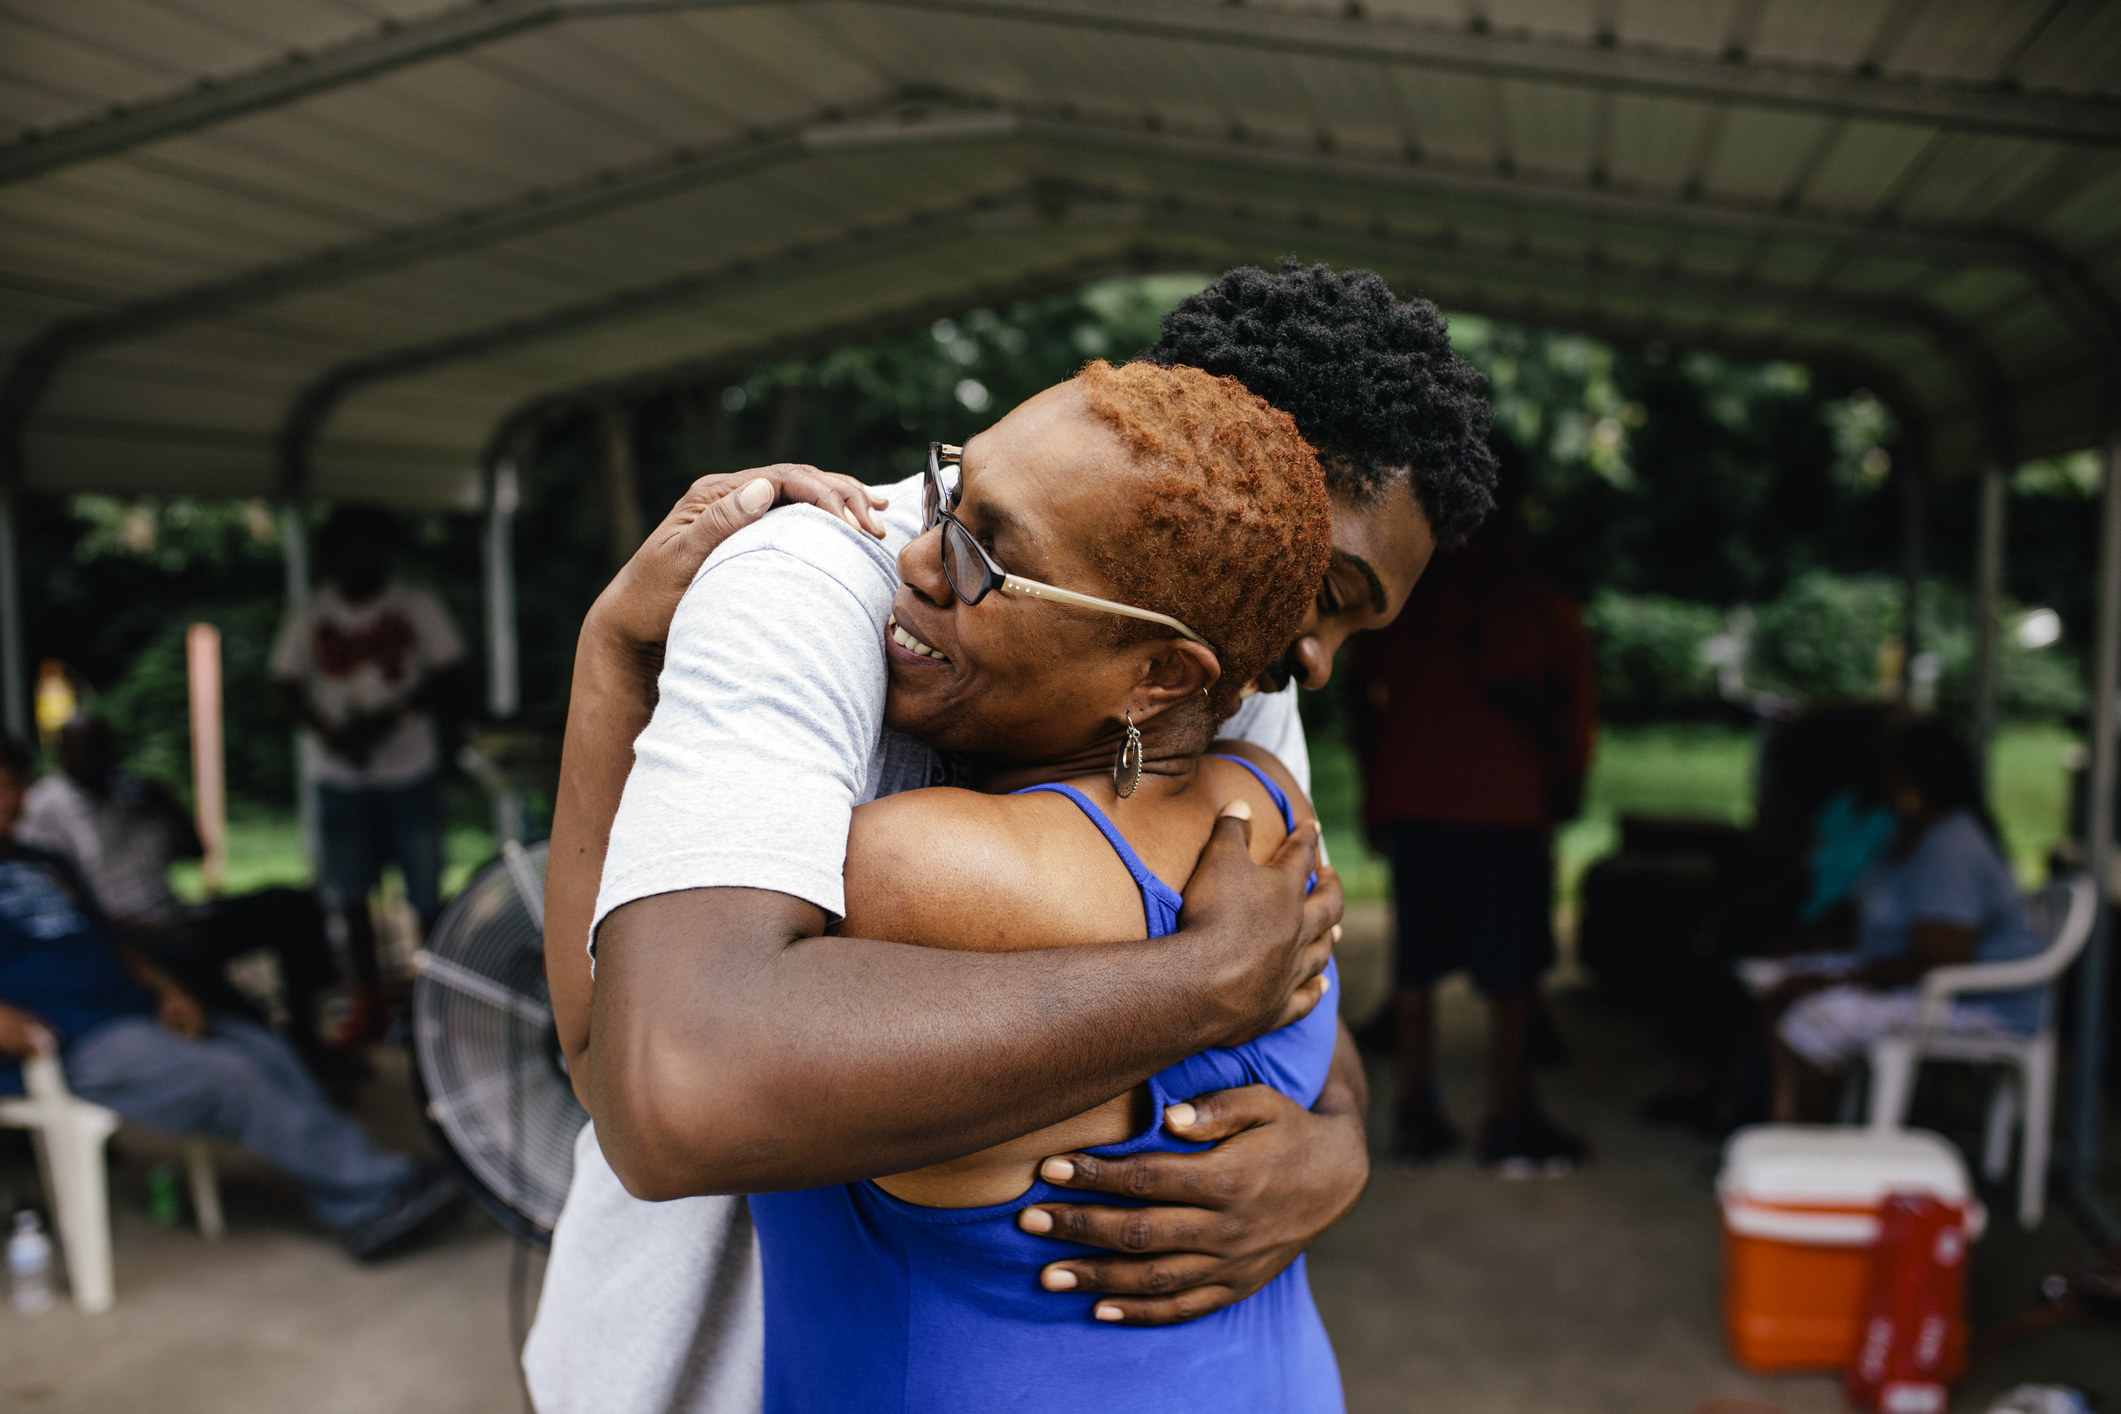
x: 1930, y: 946
x: 143, y: 969
x: 611, y: 700
x: 822, y: 1060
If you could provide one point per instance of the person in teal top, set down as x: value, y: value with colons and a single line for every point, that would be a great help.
x: 1940, y: 894
x: 1848, y: 834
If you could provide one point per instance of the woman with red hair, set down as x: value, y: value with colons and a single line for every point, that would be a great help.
x: 1103, y: 575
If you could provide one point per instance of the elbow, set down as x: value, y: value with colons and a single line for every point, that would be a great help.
x: 647, y: 1132
x: 672, y: 1126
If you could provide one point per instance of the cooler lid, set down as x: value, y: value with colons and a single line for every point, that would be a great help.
x: 1833, y: 1166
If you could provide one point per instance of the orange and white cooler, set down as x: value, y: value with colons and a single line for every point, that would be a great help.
x: 1800, y: 1223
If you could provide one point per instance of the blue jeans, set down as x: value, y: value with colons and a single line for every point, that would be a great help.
x: 365, y: 827
x: 243, y: 1084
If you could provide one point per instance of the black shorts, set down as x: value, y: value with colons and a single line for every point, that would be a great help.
x: 1480, y: 897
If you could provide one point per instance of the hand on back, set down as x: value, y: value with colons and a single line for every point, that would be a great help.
x: 1271, y: 940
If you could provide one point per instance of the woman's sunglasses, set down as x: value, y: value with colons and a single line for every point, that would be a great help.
x: 973, y: 573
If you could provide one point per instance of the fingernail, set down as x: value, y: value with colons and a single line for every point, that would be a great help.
x: 1238, y: 810
x: 1325, y: 983
x: 1181, y: 1116
x: 1109, y: 1313
x: 848, y: 516
x: 1336, y: 932
x: 756, y: 495
x: 1057, y: 1279
x: 1037, y: 1220
x: 1056, y: 1171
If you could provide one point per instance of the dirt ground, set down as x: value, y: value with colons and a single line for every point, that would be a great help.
x: 1446, y: 1292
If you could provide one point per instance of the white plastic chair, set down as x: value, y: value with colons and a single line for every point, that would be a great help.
x: 2063, y: 914
x: 70, y: 1134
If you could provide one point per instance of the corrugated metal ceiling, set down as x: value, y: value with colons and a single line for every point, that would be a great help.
x: 289, y: 246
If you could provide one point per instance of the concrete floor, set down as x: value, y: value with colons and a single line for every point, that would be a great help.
x: 1446, y: 1292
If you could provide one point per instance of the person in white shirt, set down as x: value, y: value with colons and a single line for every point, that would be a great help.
x: 654, y: 1307
x: 121, y: 833
x: 364, y: 666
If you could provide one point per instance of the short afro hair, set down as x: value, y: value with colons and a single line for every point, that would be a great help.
x: 1371, y: 380
x: 1233, y: 533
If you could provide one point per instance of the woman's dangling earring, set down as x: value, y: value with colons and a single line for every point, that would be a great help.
x: 1127, y: 770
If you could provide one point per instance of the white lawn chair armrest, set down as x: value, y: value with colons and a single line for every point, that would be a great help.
x: 2008, y: 976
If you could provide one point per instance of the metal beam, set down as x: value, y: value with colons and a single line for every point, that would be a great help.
x: 1356, y: 37
x: 545, y: 406
x: 1837, y: 365
x: 1242, y: 230
x: 1350, y: 36
x: 316, y: 402
x: 2076, y: 295
x: 900, y: 121
x: 295, y: 76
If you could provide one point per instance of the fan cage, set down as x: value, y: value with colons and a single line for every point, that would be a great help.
x: 494, y: 1084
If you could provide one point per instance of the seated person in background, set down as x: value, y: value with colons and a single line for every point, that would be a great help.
x: 1940, y: 894
x: 121, y: 834
x: 1821, y: 822
x: 135, y: 1041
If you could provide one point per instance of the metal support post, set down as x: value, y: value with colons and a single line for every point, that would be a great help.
x: 1988, y: 590
x: 294, y: 553
x: 14, y: 685
x: 1913, y: 512
x: 504, y: 684
x: 504, y: 690
x: 2088, y: 1098
x: 623, y: 496
x: 294, y: 561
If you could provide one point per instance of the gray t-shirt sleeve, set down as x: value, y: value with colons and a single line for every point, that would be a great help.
x: 766, y: 723
x: 1269, y: 720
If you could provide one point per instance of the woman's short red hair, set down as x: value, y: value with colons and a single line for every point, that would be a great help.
x: 1234, y: 532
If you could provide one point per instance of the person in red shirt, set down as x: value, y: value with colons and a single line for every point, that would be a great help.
x: 1474, y: 724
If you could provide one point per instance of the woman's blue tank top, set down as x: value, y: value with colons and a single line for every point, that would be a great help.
x: 881, y: 1306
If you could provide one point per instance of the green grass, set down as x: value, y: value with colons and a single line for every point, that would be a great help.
x: 2031, y: 794
x: 1704, y: 772
x: 1667, y: 770
x: 266, y: 850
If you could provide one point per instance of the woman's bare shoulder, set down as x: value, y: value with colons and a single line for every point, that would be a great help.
x: 1299, y: 803
x: 944, y: 867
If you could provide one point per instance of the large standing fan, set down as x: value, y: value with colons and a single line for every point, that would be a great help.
x: 489, y: 1060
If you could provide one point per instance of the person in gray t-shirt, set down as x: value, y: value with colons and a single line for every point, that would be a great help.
x: 648, y: 1307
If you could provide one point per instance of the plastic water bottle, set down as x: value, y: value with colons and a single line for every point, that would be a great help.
x: 29, y: 1265
x: 162, y: 1200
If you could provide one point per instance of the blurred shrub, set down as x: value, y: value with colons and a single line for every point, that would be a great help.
x: 150, y: 705
x: 1823, y: 636
x: 1650, y: 664
x: 1828, y: 637
x: 2045, y: 683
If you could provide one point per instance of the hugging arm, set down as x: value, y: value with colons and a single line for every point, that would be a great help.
x: 728, y: 1050
x: 872, y: 1077
x: 806, y: 1060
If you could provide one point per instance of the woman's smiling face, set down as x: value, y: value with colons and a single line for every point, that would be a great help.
x: 1014, y: 678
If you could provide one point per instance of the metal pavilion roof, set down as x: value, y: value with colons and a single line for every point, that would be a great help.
x: 333, y: 247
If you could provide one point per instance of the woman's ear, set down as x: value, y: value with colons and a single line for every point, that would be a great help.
x: 1176, y: 671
